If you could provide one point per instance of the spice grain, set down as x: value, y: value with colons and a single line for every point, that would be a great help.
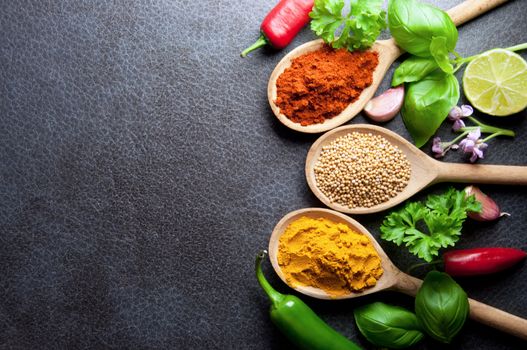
x: 361, y: 170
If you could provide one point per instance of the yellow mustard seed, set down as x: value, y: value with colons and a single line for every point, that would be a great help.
x: 361, y: 170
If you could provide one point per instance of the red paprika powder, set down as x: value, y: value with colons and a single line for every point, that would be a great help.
x: 321, y: 84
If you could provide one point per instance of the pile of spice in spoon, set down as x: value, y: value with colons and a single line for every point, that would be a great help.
x: 321, y: 84
x: 361, y: 170
x: 328, y: 255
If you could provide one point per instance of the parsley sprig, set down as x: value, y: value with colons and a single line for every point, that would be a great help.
x: 441, y: 217
x: 360, y: 27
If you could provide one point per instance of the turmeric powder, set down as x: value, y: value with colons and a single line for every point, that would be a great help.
x: 328, y: 255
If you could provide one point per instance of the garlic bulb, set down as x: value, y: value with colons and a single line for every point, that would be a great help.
x: 489, y: 209
x: 385, y: 106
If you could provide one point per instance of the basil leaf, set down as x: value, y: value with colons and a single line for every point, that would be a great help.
x: 440, y: 54
x: 441, y: 306
x: 388, y: 326
x: 414, y: 24
x: 413, y: 69
x: 427, y: 104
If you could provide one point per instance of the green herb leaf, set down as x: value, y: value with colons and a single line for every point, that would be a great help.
x: 453, y: 203
x: 442, y: 215
x: 427, y: 103
x: 388, y: 326
x: 421, y: 244
x: 369, y: 21
x: 326, y: 18
x: 414, y: 68
x: 360, y: 27
x: 414, y: 24
x: 441, y: 306
x: 440, y: 54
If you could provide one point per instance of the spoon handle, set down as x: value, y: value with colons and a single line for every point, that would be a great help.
x: 498, y: 319
x: 471, y: 9
x: 476, y: 173
x: 479, y: 312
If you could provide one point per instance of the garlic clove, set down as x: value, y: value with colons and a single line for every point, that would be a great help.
x: 385, y: 106
x: 489, y: 209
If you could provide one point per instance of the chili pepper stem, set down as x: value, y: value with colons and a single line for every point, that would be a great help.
x: 262, y: 41
x: 273, y: 295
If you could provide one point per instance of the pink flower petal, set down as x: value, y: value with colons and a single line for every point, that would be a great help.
x: 477, y: 152
x: 436, y: 146
x: 455, y: 113
x: 467, y: 145
x: 466, y: 110
x: 458, y: 124
x: 474, y: 135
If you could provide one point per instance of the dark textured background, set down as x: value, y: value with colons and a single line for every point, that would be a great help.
x: 142, y: 169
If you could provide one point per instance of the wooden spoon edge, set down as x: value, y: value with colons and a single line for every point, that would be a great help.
x: 386, y: 281
x: 388, y: 52
x: 423, y: 172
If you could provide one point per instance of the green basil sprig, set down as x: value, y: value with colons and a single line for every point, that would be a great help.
x: 414, y: 25
x: 439, y: 52
x: 388, y: 326
x: 427, y: 104
x: 413, y: 69
x: 441, y: 306
x: 430, y: 36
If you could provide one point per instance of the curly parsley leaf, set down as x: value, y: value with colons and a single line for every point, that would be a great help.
x: 441, y: 217
x: 327, y: 18
x: 453, y: 203
x: 359, y: 28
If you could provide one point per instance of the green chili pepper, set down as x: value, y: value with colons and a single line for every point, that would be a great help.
x: 298, y: 322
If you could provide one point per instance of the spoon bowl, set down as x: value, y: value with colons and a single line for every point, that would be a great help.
x: 388, y: 52
x: 392, y: 278
x: 425, y: 171
x: 388, y: 279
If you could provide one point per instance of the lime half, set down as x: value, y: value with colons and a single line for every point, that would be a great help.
x: 496, y: 82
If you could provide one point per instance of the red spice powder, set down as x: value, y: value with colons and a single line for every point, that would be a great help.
x: 321, y: 84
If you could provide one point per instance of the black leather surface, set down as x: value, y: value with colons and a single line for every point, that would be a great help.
x: 142, y: 169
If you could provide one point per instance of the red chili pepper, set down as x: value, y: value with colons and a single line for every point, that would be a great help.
x: 282, y: 24
x: 481, y: 261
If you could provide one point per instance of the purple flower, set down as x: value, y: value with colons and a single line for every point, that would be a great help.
x: 437, y: 148
x: 474, y: 145
x: 468, y: 144
x: 456, y: 115
x: 460, y: 112
x: 440, y: 148
x: 458, y: 124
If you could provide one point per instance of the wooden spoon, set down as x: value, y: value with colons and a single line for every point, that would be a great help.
x: 425, y: 171
x: 388, y: 52
x: 392, y: 278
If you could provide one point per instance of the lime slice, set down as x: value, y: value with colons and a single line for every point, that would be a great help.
x: 496, y: 82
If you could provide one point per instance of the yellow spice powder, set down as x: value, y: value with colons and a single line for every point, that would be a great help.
x: 327, y: 255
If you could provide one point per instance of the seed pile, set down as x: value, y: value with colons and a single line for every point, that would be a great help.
x: 361, y: 170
